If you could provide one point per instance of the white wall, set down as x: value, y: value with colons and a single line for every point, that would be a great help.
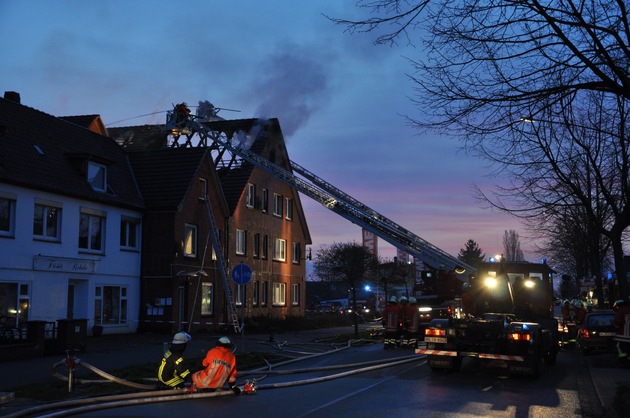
x: 49, y: 289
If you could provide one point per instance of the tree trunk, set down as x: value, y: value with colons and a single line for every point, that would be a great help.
x: 620, y: 268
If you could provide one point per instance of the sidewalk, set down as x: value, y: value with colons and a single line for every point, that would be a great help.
x: 610, y: 381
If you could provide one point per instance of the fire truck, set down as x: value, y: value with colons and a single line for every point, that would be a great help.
x: 506, y: 317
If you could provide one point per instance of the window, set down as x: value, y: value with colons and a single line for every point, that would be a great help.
x: 295, y: 294
x: 263, y: 294
x: 97, y: 176
x: 256, y: 245
x: 241, y: 242
x: 47, y: 222
x: 14, y: 303
x: 289, y: 208
x: 256, y: 293
x: 279, y: 294
x: 279, y: 250
x: 297, y: 253
x: 240, y: 294
x: 207, y: 298
x: 190, y: 241
x: 7, y: 216
x: 277, y: 204
x: 203, y: 189
x: 265, y: 200
x: 214, y: 253
x: 265, y: 246
x: 129, y: 233
x: 110, y: 305
x: 92, y: 230
x: 251, y: 195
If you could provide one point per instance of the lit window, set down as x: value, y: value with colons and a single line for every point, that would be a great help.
x: 289, y: 208
x: 295, y: 294
x: 279, y: 294
x: 97, y: 176
x: 277, y: 204
x: 110, y: 305
x: 7, y: 216
x: 47, y: 222
x: 190, y: 241
x: 129, y: 233
x: 251, y: 195
x: 207, y: 296
x: 241, y: 242
x: 92, y: 230
x: 279, y: 250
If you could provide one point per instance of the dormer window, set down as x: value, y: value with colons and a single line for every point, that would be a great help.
x: 97, y: 176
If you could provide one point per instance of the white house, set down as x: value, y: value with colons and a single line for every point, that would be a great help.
x: 70, y: 222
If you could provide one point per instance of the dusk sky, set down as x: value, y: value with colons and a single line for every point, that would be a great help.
x: 339, y: 98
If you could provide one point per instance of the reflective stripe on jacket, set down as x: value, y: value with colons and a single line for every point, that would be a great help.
x: 172, y: 372
x: 220, y: 366
x: 390, y: 315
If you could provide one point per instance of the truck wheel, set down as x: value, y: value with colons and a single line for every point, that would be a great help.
x: 457, y: 364
x: 550, y: 357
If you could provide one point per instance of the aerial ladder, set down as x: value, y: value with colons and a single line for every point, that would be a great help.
x: 321, y: 191
x: 216, y: 245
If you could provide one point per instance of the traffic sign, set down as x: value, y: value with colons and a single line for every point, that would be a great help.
x: 242, y: 274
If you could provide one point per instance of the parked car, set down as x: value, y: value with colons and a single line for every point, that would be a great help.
x: 597, y: 331
x: 427, y: 313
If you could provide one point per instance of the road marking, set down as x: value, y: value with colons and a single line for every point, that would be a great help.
x: 349, y: 395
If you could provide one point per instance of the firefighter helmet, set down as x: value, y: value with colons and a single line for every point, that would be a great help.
x: 224, y: 342
x: 413, y: 300
x: 392, y: 299
x: 403, y: 299
x: 181, y: 338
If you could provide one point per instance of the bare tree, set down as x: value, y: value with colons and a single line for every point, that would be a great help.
x: 540, y: 89
x: 512, y: 246
x: 346, y: 262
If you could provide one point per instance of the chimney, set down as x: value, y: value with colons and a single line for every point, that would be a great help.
x: 13, y: 96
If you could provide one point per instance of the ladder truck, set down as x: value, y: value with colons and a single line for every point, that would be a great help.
x: 506, y: 317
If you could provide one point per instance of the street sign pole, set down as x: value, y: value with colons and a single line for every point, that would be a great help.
x: 242, y: 274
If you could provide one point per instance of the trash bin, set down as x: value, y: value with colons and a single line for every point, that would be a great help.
x: 71, y: 334
x: 36, y: 334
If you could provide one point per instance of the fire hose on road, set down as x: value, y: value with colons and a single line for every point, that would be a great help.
x: 73, y: 407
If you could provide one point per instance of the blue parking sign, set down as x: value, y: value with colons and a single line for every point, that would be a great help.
x: 242, y: 274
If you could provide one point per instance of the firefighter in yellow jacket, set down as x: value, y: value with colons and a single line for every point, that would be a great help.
x: 172, y: 372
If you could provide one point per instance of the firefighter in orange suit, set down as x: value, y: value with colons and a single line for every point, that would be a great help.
x: 220, y: 366
x: 412, y: 323
x: 391, y: 323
